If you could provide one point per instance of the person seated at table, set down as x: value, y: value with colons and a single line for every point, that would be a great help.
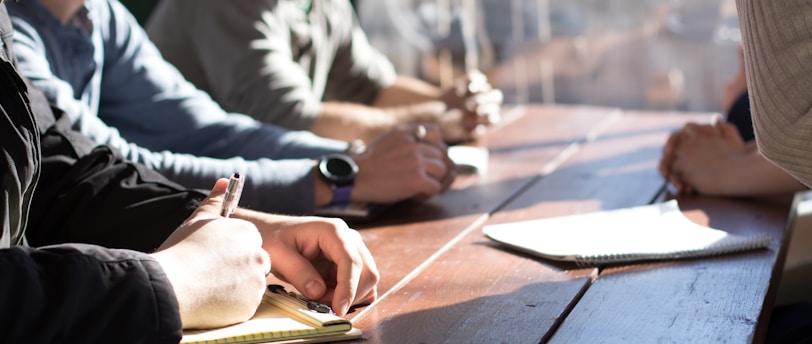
x: 721, y: 158
x: 92, y: 59
x: 307, y: 65
x: 95, y: 248
x: 778, y: 74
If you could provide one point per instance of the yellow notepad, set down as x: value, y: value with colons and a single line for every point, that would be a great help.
x: 280, y: 317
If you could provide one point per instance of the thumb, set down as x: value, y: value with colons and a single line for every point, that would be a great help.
x: 212, y: 205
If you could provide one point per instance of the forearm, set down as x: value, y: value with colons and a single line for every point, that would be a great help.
x: 264, y: 220
x: 407, y: 90
x: 90, y: 194
x: 753, y: 175
x: 348, y: 121
x: 345, y: 121
x: 105, y: 201
x: 62, y: 294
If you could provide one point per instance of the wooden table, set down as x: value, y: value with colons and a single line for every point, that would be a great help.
x: 443, y: 281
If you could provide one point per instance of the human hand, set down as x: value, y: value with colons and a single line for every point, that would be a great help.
x: 706, y: 158
x: 471, y: 104
x: 322, y: 258
x: 216, y: 265
x: 398, y: 165
x: 665, y: 167
x: 669, y: 152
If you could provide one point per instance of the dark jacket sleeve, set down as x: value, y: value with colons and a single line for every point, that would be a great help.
x: 90, y: 194
x: 85, y: 294
x: 78, y: 293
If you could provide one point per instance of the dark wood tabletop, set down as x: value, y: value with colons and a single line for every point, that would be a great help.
x: 442, y: 280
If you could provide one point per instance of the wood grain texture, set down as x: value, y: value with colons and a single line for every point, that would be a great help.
x: 409, y: 234
x: 444, y: 282
x: 722, y: 299
x: 477, y: 293
x: 718, y: 299
x: 527, y: 297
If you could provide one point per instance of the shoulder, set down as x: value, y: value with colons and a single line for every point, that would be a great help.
x: 27, y: 16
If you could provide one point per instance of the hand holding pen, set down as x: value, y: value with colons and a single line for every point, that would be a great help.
x: 321, y: 258
x: 230, y: 249
x: 232, y: 196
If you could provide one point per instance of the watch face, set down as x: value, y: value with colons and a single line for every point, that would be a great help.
x: 339, y: 169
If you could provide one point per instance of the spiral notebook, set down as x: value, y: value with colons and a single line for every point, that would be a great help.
x: 652, y: 232
x: 282, y: 317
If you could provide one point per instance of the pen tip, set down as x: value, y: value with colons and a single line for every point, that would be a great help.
x: 237, y: 174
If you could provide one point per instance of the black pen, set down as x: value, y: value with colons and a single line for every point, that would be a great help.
x: 233, y: 192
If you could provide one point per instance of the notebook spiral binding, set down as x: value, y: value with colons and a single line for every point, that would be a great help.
x: 713, y: 250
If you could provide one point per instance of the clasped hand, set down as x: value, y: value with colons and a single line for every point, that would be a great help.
x: 472, y: 104
x: 702, y: 158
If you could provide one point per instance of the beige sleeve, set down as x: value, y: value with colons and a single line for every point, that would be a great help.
x: 777, y: 39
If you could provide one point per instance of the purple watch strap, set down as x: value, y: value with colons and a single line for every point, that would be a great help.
x: 341, y: 194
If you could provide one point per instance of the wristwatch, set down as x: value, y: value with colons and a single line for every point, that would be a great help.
x: 339, y: 171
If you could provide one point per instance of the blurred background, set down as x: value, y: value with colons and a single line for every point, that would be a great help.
x: 632, y: 54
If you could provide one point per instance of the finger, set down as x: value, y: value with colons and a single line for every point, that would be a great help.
x: 432, y: 178
x: 470, y: 120
x: 433, y: 135
x: 489, y: 113
x: 364, y: 289
x: 420, y: 133
x: 494, y: 116
x: 426, y: 186
x: 687, y: 189
x: 266, y: 261
x: 676, y: 181
x: 449, y: 177
x: 472, y: 82
x: 671, y: 143
x: 715, y: 121
x: 665, y: 165
x: 667, y: 158
x: 298, y: 271
x: 367, y: 290
x: 493, y: 96
x: 707, y: 130
x: 729, y: 131
x: 433, y: 161
x: 349, y: 264
x: 664, y: 168
x: 476, y: 77
x: 211, y: 206
x: 367, y: 298
x: 690, y: 130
